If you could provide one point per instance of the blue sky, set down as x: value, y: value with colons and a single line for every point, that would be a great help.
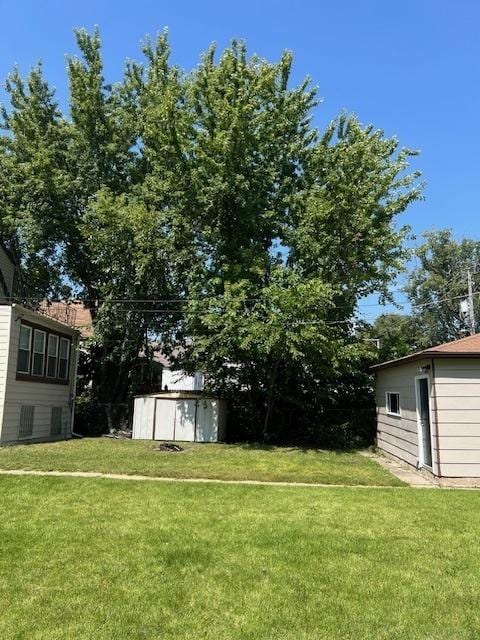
x: 411, y: 68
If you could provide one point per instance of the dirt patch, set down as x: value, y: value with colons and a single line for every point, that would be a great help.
x: 119, y: 434
x: 169, y: 447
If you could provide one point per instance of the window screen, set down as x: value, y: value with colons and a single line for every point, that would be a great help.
x: 52, y: 356
x: 26, y: 421
x: 38, y: 364
x: 63, y: 356
x: 393, y: 403
x: 56, y: 421
x: 24, y: 345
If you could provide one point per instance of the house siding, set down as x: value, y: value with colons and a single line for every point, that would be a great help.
x: 5, y: 323
x: 7, y: 269
x: 457, y: 382
x: 398, y: 435
x: 43, y: 396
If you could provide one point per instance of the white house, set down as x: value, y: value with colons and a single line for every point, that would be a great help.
x: 38, y: 361
x: 428, y: 408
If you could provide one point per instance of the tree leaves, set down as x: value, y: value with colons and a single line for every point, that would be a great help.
x: 211, y: 189
x: 437, y: 285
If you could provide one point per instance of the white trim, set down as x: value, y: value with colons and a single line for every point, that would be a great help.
x: 421, y: 461
x: 387, y: 404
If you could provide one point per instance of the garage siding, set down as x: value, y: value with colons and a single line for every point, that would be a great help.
x: 458, y: 398
x: 398, y: 435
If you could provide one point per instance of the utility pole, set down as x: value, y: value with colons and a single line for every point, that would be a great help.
x: 471, y: 310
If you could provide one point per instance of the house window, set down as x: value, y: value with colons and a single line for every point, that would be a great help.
x: 56, y: 421
x: 393, y: 403
x: 38, y: 362
x: 26, y: 421
x: 52, y: 356
x: 63, y: 357
x: 43, y: 355
x: 24, y: 349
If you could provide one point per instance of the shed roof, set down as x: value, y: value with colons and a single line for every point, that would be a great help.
x: 179, y: 395
x: 468, y: 347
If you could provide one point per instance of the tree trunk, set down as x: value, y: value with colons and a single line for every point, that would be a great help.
x: 270, y: 394
x: 253, y: 398
x: 109, y: 416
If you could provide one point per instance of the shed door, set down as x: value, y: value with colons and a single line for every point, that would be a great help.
x: 143, y: 418
x: 423, y: 397
x: 207, y: 421
x: 185, y: 420
x: 164, y: 419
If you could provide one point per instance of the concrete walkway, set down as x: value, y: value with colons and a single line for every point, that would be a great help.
x: 402, y: 471
x: 123, y: 476
x: 411, y: 477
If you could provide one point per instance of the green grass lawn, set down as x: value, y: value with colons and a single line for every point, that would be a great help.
x: 105, y: 559
x: 218, y: 461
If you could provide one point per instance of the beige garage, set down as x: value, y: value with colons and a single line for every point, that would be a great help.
x: 428, y: 408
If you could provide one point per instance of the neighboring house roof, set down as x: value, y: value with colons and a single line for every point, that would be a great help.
x: 164, y: 360
x: 40, y: 318
x: 74, y: 314
x: 468, y: 347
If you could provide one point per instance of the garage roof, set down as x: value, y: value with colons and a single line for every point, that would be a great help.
x: 468, y: 347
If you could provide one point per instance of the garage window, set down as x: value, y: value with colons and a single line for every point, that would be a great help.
x: 393, y: 403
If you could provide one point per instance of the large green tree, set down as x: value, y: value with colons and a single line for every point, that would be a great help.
x: 204, y: 209
x: 438, y: 284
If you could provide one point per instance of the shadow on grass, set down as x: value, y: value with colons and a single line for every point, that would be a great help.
x: 261, y: 446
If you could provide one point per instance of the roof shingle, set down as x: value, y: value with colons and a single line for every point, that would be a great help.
x: 467, y: 347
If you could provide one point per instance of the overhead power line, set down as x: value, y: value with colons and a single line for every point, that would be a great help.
x: 165, y: 309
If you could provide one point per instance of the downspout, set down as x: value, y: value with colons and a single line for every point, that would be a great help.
x: 435, y: 408
x: 74, y: 392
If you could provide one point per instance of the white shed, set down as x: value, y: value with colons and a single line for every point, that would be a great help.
x: 179, y: 416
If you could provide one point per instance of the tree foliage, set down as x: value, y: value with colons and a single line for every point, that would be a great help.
x: 397, y: 335
x: 204, y: 209
x: 437, y: 285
